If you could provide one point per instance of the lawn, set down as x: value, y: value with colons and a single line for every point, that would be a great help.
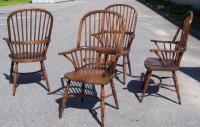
x: 175, y: 11
x: 13, y: 2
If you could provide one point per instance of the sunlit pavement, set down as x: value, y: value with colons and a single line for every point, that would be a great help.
x: 33, y: 106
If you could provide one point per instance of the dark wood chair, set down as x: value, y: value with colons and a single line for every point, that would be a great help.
x: 29, y: 34
x: 169, y: 55
x: 96, y: 64
x: 130, y: 16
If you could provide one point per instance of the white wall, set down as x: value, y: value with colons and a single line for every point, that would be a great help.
x: 194, y: 3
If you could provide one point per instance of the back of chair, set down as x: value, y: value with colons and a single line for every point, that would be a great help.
x: 182, y: 33
x: 29, y: 32
x: 101, y: 28
x: 130, y: 15
x: 104, y: 31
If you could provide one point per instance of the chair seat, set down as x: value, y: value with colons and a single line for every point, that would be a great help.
x: 157, y: 64
x: 27, y: 57
x: 89, y: 76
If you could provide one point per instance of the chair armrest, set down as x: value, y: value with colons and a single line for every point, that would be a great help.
x: 167, y: 51
x: 27, y: 42
x: 161, y: 41
x: 106, y: 50
x: 132, y: 34
x: 68, y: 52
x: 6, y: 39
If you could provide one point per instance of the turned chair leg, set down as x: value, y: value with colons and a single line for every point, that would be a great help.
x: 44, y: 75
x: 124, y: 70
x: 15, y: 78
x: 102, y: 105
x: 176, y: 86
x: 114, y: 94
x: 129, y: 64
x: 64, y: 100
x: 82, y: 92
x: 11, y: 72
x: 145, y: 85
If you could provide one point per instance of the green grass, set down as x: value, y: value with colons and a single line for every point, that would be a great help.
x: 13, y: 2
x: 175, y: 11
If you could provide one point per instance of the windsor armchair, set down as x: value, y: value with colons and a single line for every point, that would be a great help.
x: 169, y: 55
x: 29, y: 34
x: 130, y: 17
x: 95, y: 64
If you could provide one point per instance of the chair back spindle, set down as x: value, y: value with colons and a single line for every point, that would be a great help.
x: 130, y: 18
x: 29, y: 32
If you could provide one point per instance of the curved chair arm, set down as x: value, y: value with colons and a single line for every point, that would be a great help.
x: 162, y: 41
x: 132, y: 34
x: 6, y: 39
x: 28, y: 47
x: 167, y: 51
x: 167, y: 45
x: 27, y: 42
x: 68, y: 52
x: 167, y: 56
x: 76, y: 57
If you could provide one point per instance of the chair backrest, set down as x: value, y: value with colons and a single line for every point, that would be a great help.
x: 29, y: 31
x: 104, y: 30
x: 101, y: 28
x: 130, y: 16
x: 181, y: 36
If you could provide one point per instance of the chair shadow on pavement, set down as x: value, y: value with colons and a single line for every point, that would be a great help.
x: 90, y: 98
x: 136, y: 87
x: 28, y: 78
x: 193, y: 72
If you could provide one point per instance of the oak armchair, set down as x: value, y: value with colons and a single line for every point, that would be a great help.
x: 95, y: 62
x: 130, y: 16
x: 29, y: 34
x: 169, y: 55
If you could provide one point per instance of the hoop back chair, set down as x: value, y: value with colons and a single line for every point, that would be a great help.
x: 130, y: 16
x: 29, y: 34
x: 95, y: 64
x: 169, y: 54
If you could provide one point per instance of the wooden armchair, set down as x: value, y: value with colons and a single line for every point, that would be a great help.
x: 169, y: 54
x: 130, y: 15
x: 95, y: 64
x: 29, y: 34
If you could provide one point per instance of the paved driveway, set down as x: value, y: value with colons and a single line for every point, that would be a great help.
x: 33, y: 106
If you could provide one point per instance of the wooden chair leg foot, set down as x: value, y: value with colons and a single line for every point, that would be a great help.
x: 64, y: 100
x: 145, y: 86
x: 15, y: 78
x: 124, y: 70
x: 114, y: 94
x: 176, y: 86
x: 102, y: 96
x: 44, y: 75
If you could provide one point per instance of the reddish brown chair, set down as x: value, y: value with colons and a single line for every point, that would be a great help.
x: 29, y: 34
x: 96, y: 64
x: 130, y: 16
x: 169, y: 54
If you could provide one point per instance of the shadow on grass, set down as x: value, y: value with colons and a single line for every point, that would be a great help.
x: 193, y: 31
